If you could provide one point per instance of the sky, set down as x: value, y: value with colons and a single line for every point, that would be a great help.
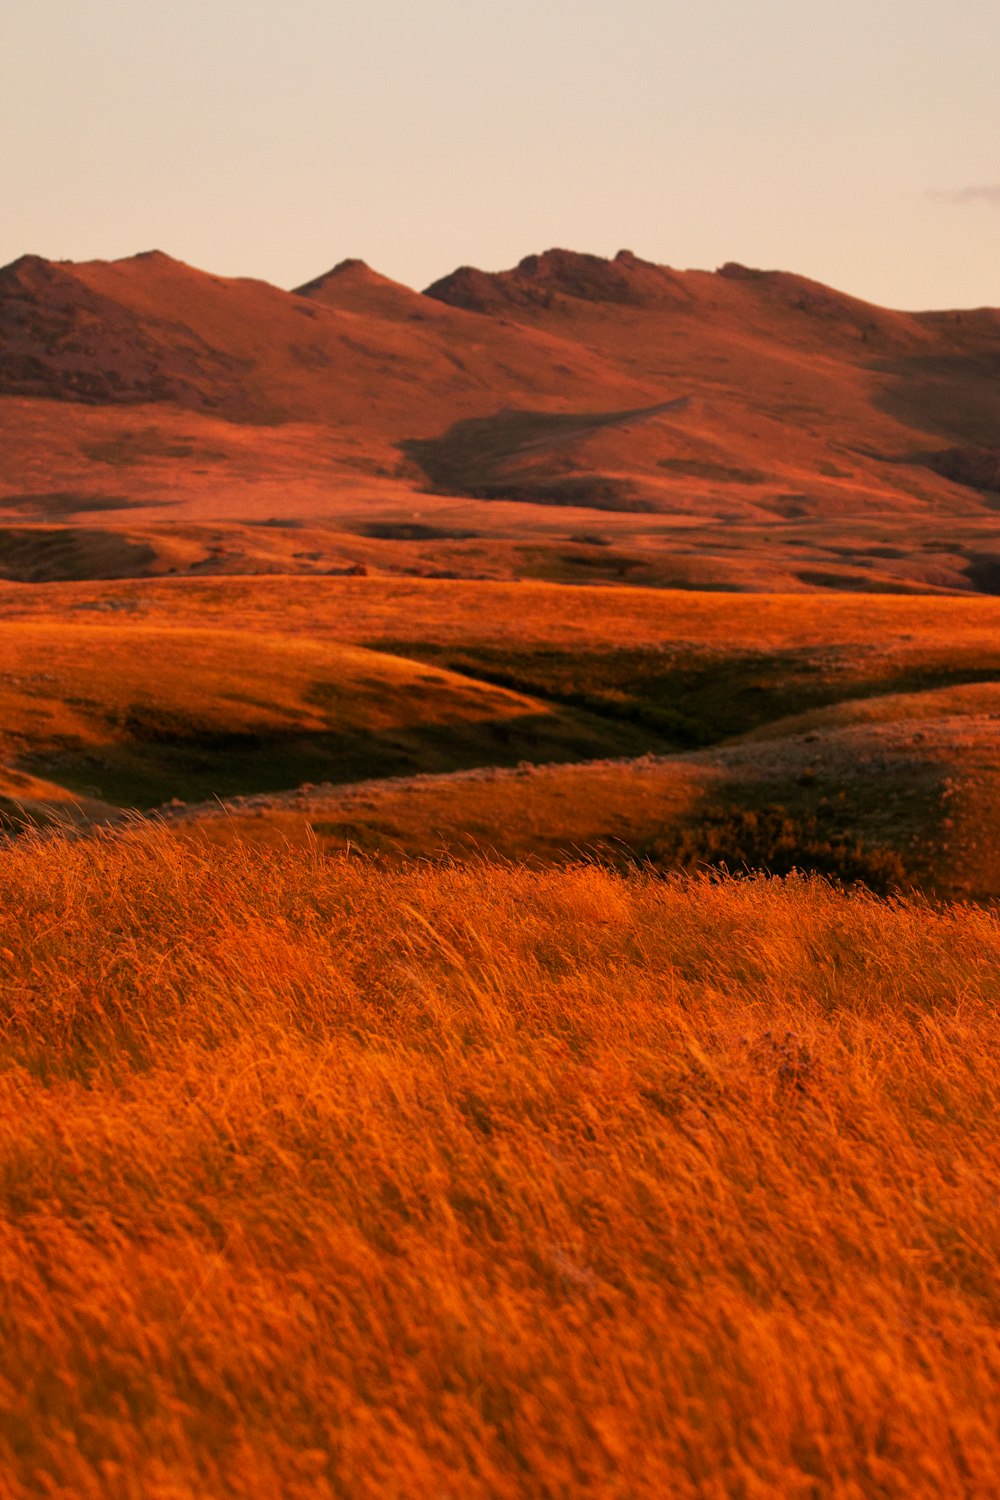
x: 857, y: 142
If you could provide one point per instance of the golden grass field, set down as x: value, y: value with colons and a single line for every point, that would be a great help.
x: 321, y: 1179
x: 136, y: 714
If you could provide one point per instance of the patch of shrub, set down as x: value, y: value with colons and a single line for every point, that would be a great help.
x: 776, y: 840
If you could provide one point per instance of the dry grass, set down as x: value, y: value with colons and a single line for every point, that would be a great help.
x: 323, y: 1180
x: 974, y: 700
x: 720, y: 664
x: 138, y: 693
x: 924, y: 632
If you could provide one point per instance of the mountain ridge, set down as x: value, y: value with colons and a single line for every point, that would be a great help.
x: 733, y: 404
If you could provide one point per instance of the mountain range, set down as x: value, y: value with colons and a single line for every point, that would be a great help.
x: 574, y: 418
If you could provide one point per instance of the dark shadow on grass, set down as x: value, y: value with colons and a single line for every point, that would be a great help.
x: 159, y: 761
x: 688, y: 705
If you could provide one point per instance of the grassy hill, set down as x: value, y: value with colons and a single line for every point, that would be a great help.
x: 136, y: 714
x: 692, y: 728
x: 886, y: 802
x: 324, y: 1180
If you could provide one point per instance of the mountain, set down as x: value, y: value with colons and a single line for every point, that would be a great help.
x: 151, y: 328
x: 738, y: 428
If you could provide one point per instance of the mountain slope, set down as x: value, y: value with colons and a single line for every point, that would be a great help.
x: 152, y: 328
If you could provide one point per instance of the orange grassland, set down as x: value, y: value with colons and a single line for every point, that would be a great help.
x: 322, y: 1179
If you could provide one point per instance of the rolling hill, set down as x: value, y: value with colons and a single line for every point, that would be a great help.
x: 133, y: 715
x: 417, y: 717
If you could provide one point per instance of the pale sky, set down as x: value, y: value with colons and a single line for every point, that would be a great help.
x: 855, y: 141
